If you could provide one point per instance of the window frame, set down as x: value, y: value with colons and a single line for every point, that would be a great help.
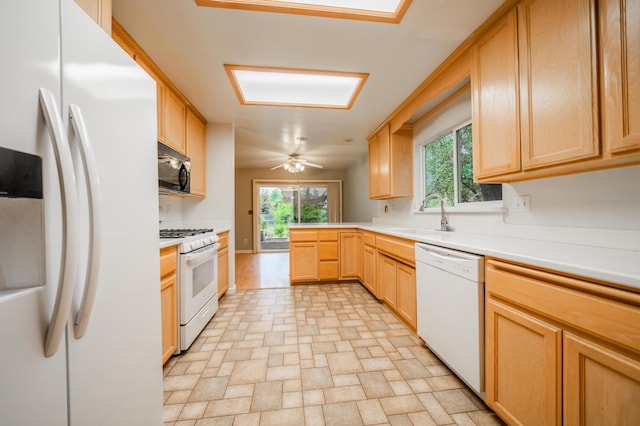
x: 476, y: 206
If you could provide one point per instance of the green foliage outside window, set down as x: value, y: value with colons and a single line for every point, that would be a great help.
x: 440, y: 171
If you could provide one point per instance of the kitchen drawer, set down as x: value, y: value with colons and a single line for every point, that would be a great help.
x: 296, y: 235
x: 328, y: 251
x: 397, y: 248
x: 168, y: 261
x: 328, y: 270
x: 328, y: 235
x: 369, y: 239
x: 569, y: 301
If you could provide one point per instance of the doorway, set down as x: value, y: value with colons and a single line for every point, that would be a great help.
x: 280, y: 203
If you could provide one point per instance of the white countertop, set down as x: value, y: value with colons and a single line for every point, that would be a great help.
x: 616, y: 266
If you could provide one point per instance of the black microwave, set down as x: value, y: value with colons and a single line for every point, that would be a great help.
x: 173, y: 171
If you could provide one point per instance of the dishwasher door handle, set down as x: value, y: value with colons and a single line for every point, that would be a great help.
x: 447, y: 256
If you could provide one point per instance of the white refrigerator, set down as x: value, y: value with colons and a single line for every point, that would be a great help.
x: 70, y: 96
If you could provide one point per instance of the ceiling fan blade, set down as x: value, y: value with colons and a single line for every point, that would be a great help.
x: 277, y: 167
x: 306, y: 163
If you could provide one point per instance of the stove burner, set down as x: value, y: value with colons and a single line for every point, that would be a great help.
x: 182, y: 233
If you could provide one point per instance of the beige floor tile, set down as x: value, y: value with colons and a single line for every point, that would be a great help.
x: 344, y: 346
x: 275, y: 360
x: 226, y: 407
x: 178, y: 397
x: 238, y: 355
x: 436, y: 411
x: 419, y: 385
x: 292, y: 385
x: 375, y: 385
x: 313, y: 397
x: 239, y: 391
x: 252, y: 371
x: 344, y: 363
x: 286, y: 417
x: 209, y: 389
x: 441, y: 383
x: 421, y: 418
x: 185, y: 382
x: 455, y: 401
x: 400, y: 420
x: 286, y: 372
x: 196, y: 367
x: 251, y: 419
x: 171, y: 412
x: 313, y: 416
x: 401, y: 387
x: 344, y: 394
x: 226, y: 368
x: 341, y: 413
x: 323, y: 347
x: 377, y: 364
x: 371, y: 412
x: 484, y: 418
x: 316, y: 378
x: 192, y: 410
x: 462, y: 419
x: 401, y: 404
x: 345, y: 380
x: 411, y: 369
x: 267, y: 396
x: 292, y: 399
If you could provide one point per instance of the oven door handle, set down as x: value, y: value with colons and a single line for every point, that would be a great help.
x: 199, y: 256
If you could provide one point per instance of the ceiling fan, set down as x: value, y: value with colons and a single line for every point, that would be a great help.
x: 295, y: 164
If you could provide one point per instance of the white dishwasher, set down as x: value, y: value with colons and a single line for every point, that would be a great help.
x: 450, y: 302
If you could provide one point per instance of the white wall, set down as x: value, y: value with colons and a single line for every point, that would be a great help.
x: 596, y: 208
x: 357, y: 207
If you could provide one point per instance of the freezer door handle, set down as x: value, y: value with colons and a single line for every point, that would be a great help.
x: 69, y: 202
x: 95, y: 229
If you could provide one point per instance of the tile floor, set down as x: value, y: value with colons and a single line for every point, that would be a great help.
x: 313, y: 355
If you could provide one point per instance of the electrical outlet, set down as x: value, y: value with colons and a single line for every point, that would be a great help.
x: 523, y: 203
x: 169, y: 208
x: 244, y: 241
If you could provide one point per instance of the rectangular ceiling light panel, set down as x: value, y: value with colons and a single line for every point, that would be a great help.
x: 294, y: 87
x: 390, y: 11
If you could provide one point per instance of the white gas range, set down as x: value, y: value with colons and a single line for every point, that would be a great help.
x: 197, y: 281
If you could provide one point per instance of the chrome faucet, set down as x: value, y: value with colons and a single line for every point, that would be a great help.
x: 444, y: 223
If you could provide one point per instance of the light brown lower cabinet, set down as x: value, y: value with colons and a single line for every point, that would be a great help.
x: 169, y: 301
x: 349, y: 254
x: 369, y: 269
x: 523, y: 366
x: 223, y: 263
x: 397, y: 287
x: 560, y: 350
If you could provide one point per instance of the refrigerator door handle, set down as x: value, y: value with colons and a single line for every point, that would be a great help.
x: 69, y: 202
x: 95, y: 230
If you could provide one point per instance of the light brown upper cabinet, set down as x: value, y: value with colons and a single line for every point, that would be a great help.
x: 174, y: 117
x: 620, y: 55
x: 391, y: 164
x: 558, y: 81
x: 535, y: 90
x: 99, y: 10
x: 197, y: 152
x: 495, y: 97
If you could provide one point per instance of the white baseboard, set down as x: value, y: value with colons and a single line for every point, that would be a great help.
x: 244, y: 251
